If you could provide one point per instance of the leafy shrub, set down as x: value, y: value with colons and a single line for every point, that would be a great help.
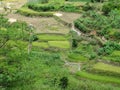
x: 34, y: 38
x: 63, y: 82
x: 111, y: 5
x: 105, y: 50
x: 114, y: 45
x: 74, y: 43
x: 80, y: 26
x: 93, y: 56
x: 89, y: 19
x: 108, y: 26
x: 69, y: 8
x: 108, y: 48
x: 40, y: 7
x: 117, y: 35
x: 88, y: 7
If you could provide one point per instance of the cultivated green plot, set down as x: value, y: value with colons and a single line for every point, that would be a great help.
x: 100, y: 78
x: 115, y: 56
x: 16, y: 43
x: 51, y: 37
x: 40, y: 44
x: 77, y: 57
x: 114, y: 59
x: 59, y: 44
x: 106, y: 69
x: 116, y: 53
x: 2, y: 57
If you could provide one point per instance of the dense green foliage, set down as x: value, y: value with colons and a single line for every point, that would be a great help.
x: 54, y: 7
x: 12, y: 53
x: 108, y: 48
x: 111, y: 5
x: 89, y: 23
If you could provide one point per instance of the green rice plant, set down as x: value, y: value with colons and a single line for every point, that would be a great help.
x: 111, y: 58
x: 51, y: 37
x: 59, y: 44
x: 104, y: 79
x: 106, y: 69
x: 40, y: 44
x: 114, y: 56
x: 77, y: 57
x: 86, y: 84
x: 115, y: 53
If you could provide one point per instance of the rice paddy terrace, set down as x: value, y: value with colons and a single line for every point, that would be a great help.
x: 59, y: 45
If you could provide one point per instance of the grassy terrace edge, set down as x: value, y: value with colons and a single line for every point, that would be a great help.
x: 28, y: 12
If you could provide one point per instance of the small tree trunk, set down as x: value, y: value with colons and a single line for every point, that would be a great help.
x: 30, y: 43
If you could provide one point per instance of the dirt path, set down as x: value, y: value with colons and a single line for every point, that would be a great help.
x: 72, y: 66
x: 69, y: 17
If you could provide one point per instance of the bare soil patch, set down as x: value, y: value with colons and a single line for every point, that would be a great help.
x: 42, y: 24
x: 69, y: 17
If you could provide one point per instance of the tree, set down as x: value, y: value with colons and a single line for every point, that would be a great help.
x: 12, y: 49
x: 63, y: 82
